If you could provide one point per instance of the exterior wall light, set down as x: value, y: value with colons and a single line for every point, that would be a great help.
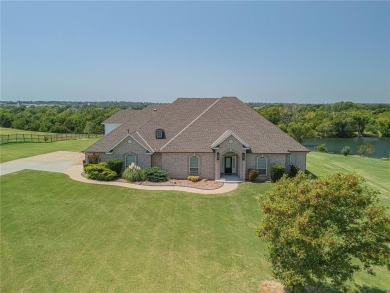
x: 218, y: 156
x: 243, y: 156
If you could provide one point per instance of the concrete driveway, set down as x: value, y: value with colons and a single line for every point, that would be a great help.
x: 70, y: 163
x: 52, y: 162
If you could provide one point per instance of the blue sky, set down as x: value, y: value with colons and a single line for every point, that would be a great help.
x: 302, y: 52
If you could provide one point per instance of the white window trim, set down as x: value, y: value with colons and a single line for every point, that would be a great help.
x: 266, y: 165
x: 189, y: 165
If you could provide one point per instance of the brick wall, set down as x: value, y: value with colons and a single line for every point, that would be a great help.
x: 123, y: 148
x: 271, y: 159
x: 178, y: 164
x: 157, y: 160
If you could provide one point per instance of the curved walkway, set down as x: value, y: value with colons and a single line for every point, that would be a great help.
x: 70, y: 163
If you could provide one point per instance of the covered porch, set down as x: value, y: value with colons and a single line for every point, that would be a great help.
x: 229, y: 178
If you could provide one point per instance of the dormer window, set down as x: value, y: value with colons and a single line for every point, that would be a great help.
x: 160, y: 134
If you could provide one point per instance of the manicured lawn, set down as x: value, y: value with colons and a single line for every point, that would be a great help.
x: 15, y: 151
x: 67, y: 236
x: 62, y: 235
x: 375, y: 171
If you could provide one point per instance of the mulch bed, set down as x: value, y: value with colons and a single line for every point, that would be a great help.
x: 202, y: 184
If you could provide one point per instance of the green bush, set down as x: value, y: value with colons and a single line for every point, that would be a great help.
x: 293, y: 171
x: 115, y: 165
x: 252, y: 174
x: 99, y: 172
x: 134, y: 174
x: 366, y: 149
x: 321, y: 148
x: 193, y: 178
x: 346, y: 150
x: 276, y: 172
x: 155, y: 174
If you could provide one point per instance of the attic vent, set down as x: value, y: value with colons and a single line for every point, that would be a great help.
x: 160, y: 134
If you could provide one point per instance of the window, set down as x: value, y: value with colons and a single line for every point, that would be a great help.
x: 293, y: 159
x: 194, y: 165
x: 262, y: 165
x: 130, y: 158
x: 160, y: 134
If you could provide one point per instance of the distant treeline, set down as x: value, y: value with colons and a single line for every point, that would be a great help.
x: 56, y: 119
x: 106, y: 104
x: 343, y: 119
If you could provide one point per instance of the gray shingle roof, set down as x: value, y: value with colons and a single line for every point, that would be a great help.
x: 120, y: 117
x: 193, y: 125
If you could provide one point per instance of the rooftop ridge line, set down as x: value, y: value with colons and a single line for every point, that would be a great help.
x: 192, y: 122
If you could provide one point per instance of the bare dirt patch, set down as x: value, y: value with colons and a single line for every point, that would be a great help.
x: 272, y: 287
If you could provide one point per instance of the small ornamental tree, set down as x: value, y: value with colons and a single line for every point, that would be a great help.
x: 346, y: 150
x: 321, y: 148
x: 323, y: 230
x: 366, y: 149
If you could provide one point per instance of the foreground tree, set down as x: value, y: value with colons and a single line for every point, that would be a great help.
x: 323, y: 230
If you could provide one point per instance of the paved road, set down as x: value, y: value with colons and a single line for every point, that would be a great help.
x: 52, y: 162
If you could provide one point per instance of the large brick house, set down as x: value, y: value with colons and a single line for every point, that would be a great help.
x: 209, y: 137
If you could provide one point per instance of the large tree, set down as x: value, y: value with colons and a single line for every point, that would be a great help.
x: 324, y: 229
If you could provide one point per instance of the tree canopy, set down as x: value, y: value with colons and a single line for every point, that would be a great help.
x: 343, y: 119
x: 324, y: 229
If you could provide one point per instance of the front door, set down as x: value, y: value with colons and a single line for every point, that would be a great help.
x: 228, y: 165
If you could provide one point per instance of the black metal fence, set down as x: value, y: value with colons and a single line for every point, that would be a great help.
x: 21, y: 138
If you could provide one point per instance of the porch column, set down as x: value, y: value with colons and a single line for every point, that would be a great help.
x: 217, y: 164
x: 243, y: 160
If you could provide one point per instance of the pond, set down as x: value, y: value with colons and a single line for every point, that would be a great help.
x: 334, y: 145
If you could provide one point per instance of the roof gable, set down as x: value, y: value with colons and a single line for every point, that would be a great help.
x: 195, y: 125
x: 225, y: 136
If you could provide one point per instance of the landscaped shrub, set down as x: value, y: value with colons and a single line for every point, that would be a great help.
x: 155, y: 174
x: 93, y: 159
x: 321, y: 148
x: 100, y: 172
x: 193, y: 178
x: 252, y: 174
x: 276, y: 172
x: 293, y: 171
x: 115, y: 165
x: 346, y: 150
x: 134, y: 173
x: 366, y: 149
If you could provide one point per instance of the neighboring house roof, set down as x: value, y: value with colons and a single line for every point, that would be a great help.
x: 120, y: 117
x: 197, y: 124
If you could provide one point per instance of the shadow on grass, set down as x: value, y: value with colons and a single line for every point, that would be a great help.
x: 327, y: 288
x: 368, y: 289
x: 312, y: 175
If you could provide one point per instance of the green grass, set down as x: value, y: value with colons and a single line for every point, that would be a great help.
x: 62, y: 235
x: 4, y: 130
x: 15, y: 151
x: 375, y: 171
x: 65, y: 236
